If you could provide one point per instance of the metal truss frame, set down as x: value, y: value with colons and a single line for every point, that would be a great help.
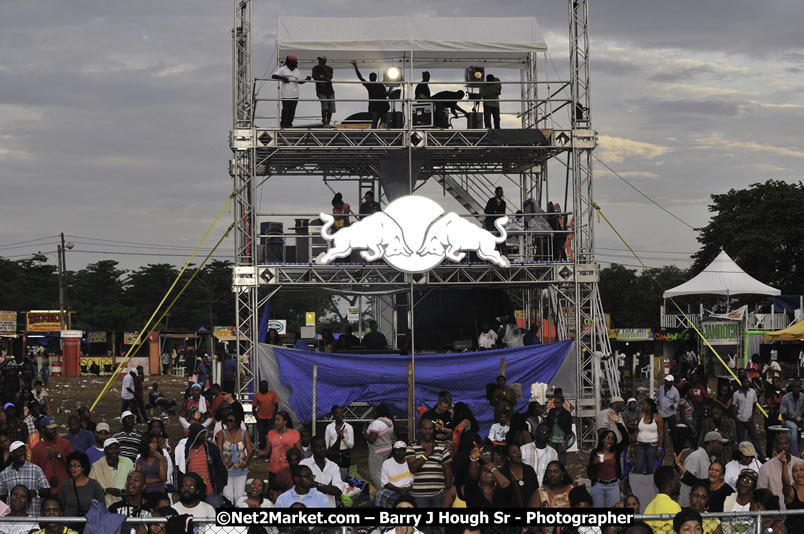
x: 260, y: 153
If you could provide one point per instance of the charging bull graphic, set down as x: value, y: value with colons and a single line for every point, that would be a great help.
x: 451, y: 235
x: 413, y: 223
x: 378, y: 233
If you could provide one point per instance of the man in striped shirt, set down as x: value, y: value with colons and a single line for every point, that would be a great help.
x: 129, y: 439
x: 431, y: 465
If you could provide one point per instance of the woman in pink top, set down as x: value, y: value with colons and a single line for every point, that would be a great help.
x: 340, y: 210
x: 279, y: 440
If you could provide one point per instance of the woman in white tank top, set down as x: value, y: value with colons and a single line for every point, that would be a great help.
x: 649, y: 436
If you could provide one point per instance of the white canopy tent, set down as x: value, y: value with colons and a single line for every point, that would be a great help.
x: 722, y: 277
x: 429, y: 41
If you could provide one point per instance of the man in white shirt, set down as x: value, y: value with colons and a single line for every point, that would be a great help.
x: 290, y: 75
x: 127, y: 392
x: 487, y: 338
x: 396, y: 478
x: 340, y: 436
x: 607, y: 419
x: 743, y: 401
x: 538, y: 453
x: 191, y: 492
x: 747, y: 460
x: 326, y: 473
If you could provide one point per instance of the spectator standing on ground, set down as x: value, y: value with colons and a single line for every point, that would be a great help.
x: 649, y: 438
x: 76, y: 495
x: 560, y: 422
x: 490, y: 93
x: 139, y: 395
x: 229, y: 373
x: 538, y: 453
x: 668, y: 485
x: 340, y: 439
x: 152, y: 464
x: 15, y: 429
x: 195, y: 400
x: 127, y: 391
x: 128, y: 438
x: 667, y: 401
x: 85, y: 418
x: 111, y: 471
x: 744, y: 400
x: 326, y: 474
x: 555, y: 489
x: 235, y: 445
x: 431, y: 465
x: 605, y: 468
x: 609, y: 419
x: 202, y: 457
x: 79, y: 438
x: 522, y: 476
x: 41, y: 395
x: 322, y: 74
x: 50, y: 454
x: 265, y: 404
x: 95, y: 452
x: 166, y: 359
x: 281, y: 438
x: 379, y: 436
x: 23, y: 472
x: 291, y: 78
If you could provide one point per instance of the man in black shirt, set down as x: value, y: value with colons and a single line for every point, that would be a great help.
x: 422, y: 91
x: 447, y: 100
x: 133, y: 503
x: 441, y: 418
x: 370, y: 205
x: 374, y: 339
x: 495, y: 208
x: 324, y: 91
x: 377, y: 93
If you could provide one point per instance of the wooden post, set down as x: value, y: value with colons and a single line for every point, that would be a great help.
x: 502, y: 366
x: 411, y: 407
x: 315, y: 394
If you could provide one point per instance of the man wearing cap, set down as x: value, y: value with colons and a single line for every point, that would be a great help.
x: 631, y: 415
x: 290, y: 76
x: 609, y: 419
x: 396, y: 477
x: 112, y: 471
x: 747, y: 460
x: 667, y: 402
x: 50, y: 453
x: 128, y: 438
x: 322, y: 73
x: 195, y: 400
x: 127, y: 391
x: 26, y: 473
x: 16, y: 430
x: 95, y: 452
x: 698, y: 462
x: 770, y: 474
x: 792, y: 409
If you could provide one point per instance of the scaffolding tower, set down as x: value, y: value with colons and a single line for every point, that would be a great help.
x: 460, y: 161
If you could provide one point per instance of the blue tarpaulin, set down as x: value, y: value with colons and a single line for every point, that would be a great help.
x: 347, y: 378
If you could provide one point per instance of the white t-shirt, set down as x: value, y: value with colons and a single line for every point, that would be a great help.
x: 487, y: 340
x: 200, y: 510
x: 733, y: 469
x: 331, y: 436
x: 397, y: 474
x: 288, y: 89
x: 498, y: 432
x: 331, y: 474
x: 242, y: 502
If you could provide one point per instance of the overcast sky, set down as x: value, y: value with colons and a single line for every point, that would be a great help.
x: 114, y: 116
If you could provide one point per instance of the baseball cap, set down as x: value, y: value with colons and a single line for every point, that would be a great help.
x: 322, y: 57
x: 715, y: 436
x: 616, y: 398
x: 109, y: 442
x: 48, y: 422
x: 103, y: 426
x: 16, y: 445
x: 747, y: 448
x: 292, y: 58
x: 669, y: 378
x: 632, y: 399
x: 125, y: 414
x: 749, y: 473
x: 400, y: 445
x: 8, y: 405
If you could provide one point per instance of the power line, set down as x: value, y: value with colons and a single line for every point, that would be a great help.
x: 10, y: 245
x: 123, y: 253
x: 155, y: 245
x: 647, y: 251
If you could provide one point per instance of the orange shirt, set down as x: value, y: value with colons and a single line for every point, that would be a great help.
x: 264, y: 403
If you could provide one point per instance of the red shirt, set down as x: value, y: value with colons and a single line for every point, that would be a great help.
x: 52, y: 465
x: 697, y: 396
x: 264, y: 403
x: 197, y: 463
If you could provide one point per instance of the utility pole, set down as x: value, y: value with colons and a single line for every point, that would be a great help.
x: 60, y: 254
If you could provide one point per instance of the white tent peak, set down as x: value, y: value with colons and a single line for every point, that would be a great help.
x: 722, y: 277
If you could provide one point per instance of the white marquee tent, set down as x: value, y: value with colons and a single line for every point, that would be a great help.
x: 722, y: 277
x: 429, y: 41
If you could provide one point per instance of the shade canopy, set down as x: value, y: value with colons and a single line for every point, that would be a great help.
x: 722, y: 277
x: 793, y: 332
x: 430, y: 41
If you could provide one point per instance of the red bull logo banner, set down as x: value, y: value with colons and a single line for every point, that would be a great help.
x: 413, y: 235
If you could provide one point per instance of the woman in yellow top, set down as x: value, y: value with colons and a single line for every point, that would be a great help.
x: 699, y: 501
x: 555, y: 489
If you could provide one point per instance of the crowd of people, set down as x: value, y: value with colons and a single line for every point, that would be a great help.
x: 381, y: 94
x: 715, y: 465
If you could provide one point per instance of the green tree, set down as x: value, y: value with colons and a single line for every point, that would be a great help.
x: 29, y: 284
x: 760, y: 228
x: 97, y: 297
x: 145, y: 288
x: 634, y: 300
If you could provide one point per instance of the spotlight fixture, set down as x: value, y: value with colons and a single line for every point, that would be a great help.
x: 473, y: 76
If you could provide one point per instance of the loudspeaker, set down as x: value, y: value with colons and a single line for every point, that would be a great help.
x: 396, y: 119
x: 474, y: 120
x: 422, y: 114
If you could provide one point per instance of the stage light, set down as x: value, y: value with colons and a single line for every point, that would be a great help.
x: 473, y: 76
x: 392, y: 73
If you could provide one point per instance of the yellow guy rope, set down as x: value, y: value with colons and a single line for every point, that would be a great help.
x: 137, y: 343
x: 601, y: 214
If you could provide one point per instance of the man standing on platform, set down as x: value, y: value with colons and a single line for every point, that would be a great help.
x: 290, y: 75
x: 322, y: 74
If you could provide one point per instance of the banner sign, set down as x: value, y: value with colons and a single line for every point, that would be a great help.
x: 309, y: 318
x: 684, y: 335
x: 130, y: 337
x: 280, y: 325
x: 43, y: 321
x: 102, y: 361
x: 223, y: 331
x: 96, y: 337
x: 353, y: 314
x: 8, y: 321
x: 634, y: 334
x: 72, y: 334
x: 733, y: 315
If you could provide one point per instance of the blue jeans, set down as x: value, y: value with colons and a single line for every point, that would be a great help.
x: 433, y: 501
x: 794, y: 436
x: 605, y: 495
x: 646, y: 455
